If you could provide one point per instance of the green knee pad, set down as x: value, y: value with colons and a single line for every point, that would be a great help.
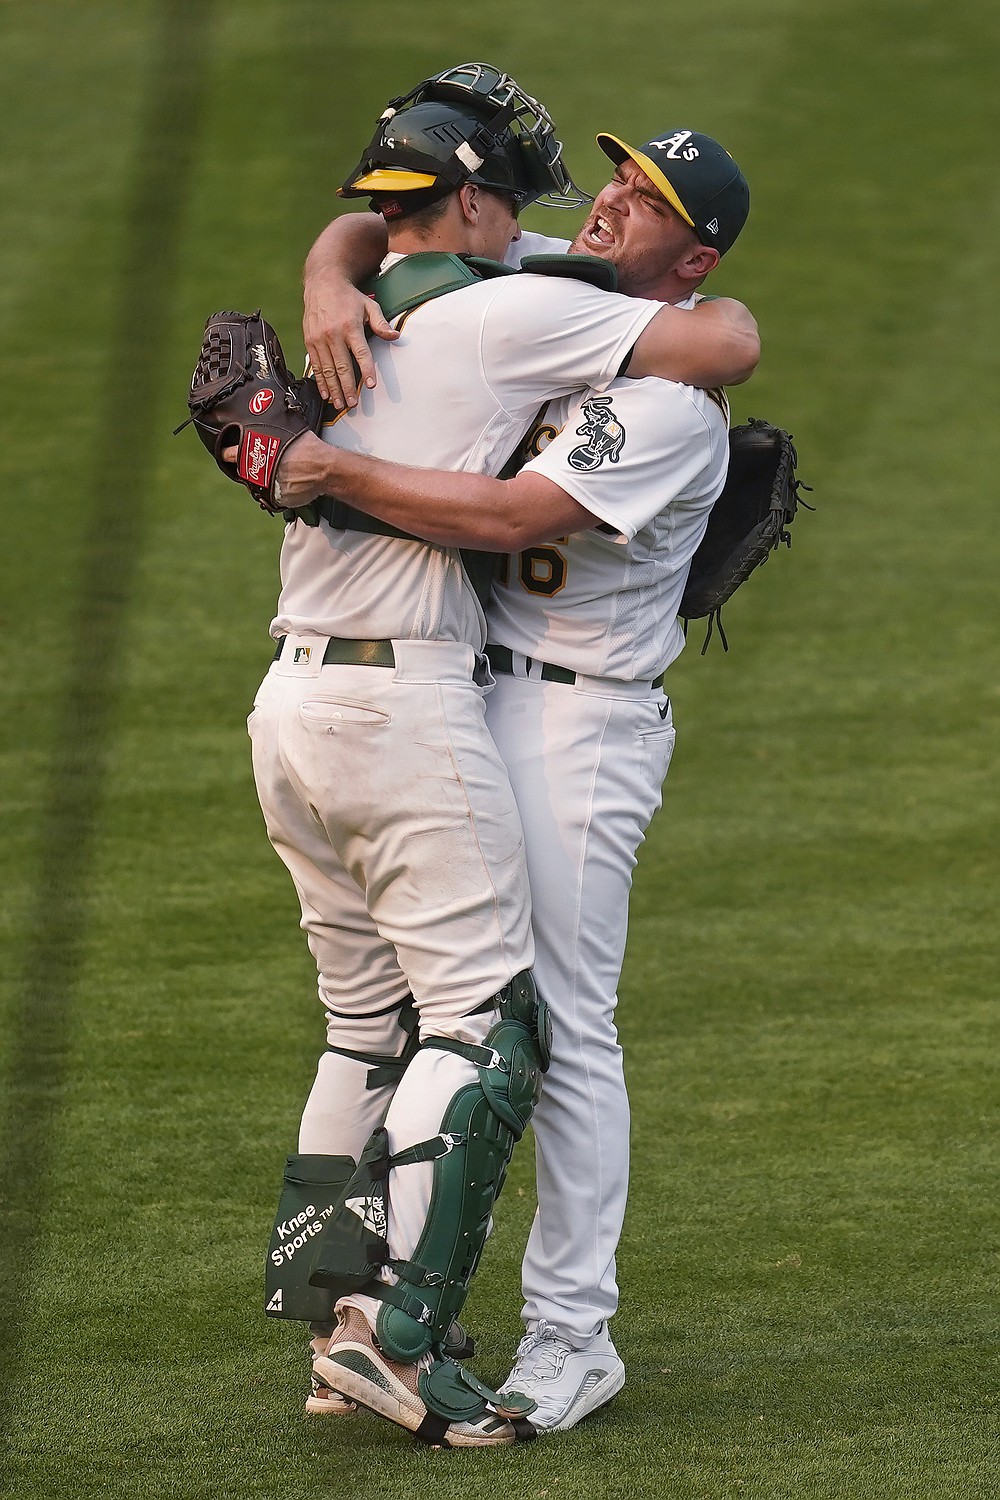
x: 313, y: 1186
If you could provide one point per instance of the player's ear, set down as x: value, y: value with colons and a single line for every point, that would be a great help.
x: 697, y: 263
x: 470, y: 200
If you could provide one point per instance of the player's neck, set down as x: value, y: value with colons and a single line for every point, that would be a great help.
x: 452, y: 233
x: 669, y: 288
x: 412, y: 242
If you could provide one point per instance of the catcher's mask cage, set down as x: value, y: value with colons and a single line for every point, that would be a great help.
x: 468, y: 124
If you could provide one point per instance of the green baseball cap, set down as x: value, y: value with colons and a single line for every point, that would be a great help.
x: 698, y: 178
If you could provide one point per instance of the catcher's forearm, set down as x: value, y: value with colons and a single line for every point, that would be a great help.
x: 715, y: 344
x: 451, y: 509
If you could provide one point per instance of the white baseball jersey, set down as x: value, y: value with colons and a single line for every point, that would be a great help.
x: 534, y: 244
x: 531, y: 243
x: 649, y: 457
x: 456, y: 391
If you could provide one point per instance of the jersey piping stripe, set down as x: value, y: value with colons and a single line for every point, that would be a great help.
x: 721, y: 400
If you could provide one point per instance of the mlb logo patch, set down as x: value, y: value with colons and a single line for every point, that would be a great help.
x: 302, y: 655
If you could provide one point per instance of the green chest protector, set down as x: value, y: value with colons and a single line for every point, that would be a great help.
x: 420, y: 278
x: 401, y: 289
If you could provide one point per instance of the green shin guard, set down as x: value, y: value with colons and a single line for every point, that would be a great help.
x: 313, y: 1186
x: 468, y: 1176
x: 453, y: 1393
x: 353, y: 1248
x: 479, y: 1130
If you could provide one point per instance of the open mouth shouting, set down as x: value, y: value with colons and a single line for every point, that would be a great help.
x: 597, y: 235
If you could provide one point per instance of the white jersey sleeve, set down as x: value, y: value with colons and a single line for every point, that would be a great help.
x: 630, y: 452
x: 548, y: 335
x: 650, y: 458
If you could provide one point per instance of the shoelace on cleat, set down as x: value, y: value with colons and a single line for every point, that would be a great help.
x: 545, y: 1349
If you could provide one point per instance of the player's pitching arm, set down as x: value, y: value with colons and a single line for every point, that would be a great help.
x: 722, y: 347
x: 716, y: 343
x: 337, y: 319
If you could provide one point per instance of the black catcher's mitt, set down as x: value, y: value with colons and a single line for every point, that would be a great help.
x: 749, y: 519
x: 242, y: 393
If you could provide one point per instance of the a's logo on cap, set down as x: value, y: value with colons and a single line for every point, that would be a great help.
x: 675, y: 147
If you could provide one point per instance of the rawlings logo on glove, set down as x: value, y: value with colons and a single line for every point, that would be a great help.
x: 240, y: 376
x: 256, y: 460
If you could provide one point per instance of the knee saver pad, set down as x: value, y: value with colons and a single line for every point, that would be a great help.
x: 313, y: 1186
x: 353, y: 1248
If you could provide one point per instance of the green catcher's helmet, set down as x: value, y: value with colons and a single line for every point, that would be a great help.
x: 468, y: 124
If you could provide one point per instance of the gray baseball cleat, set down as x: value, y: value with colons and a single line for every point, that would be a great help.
x: 566, y: 1383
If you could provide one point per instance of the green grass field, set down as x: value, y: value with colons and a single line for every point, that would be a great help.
x: 810, y: 998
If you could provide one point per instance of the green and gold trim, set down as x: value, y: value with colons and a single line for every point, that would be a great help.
x: 386, y: 180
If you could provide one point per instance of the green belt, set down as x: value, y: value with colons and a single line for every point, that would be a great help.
x: 343, y: 653
x: 502, y: 660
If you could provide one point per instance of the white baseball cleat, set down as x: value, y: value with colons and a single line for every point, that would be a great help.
x: 321, y: 1400
x: 324, y: 1402
x: 356, y: 1367
x: 567, y: 1384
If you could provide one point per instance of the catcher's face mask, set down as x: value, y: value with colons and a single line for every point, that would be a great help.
x: 468, y: 124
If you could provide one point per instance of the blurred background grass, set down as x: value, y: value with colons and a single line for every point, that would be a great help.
x: 809, y: 1002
